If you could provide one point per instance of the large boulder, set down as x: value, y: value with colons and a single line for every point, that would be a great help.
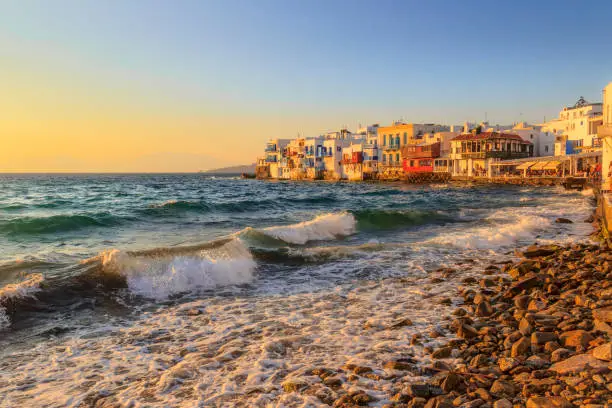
x: 604, y: 314
x: 579, y: 363
x: 548, y: 402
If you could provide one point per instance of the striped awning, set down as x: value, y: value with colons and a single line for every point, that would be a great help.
x: 525, y: 166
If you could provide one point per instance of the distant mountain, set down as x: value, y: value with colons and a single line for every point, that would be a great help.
x: 245, y: 168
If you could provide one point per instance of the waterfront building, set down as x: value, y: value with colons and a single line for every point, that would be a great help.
x: 392, y: 138
x: 332, y: 157
x: 313, y: 154
x: 420, y: 158
x: 274, y: 153
x: 473, y: 154
x: 543, y: 141
x: 605, y: 133
x: 576, y: 127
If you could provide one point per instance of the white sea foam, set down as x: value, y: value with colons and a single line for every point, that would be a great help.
x: 324, y: 227
x: 163, y: 276
x: 23, y: 289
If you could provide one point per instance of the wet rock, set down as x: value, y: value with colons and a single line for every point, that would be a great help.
x: 562, y: 220
x: 399, y: 365
x: 467, y: 332
x: 402, y: 323
x: 521, y: 302
x: 417, y: 390
x: 535, y: 251
x: 442, y: 352
x: 333, y: 382
x: 484, y: 309
x: 603, y: 352
x: 575, y: 338
x: 294, y: 385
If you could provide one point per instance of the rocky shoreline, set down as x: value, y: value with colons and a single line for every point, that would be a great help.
x: 536, y: 332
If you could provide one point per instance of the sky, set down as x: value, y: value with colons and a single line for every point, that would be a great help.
x: 172, y: 86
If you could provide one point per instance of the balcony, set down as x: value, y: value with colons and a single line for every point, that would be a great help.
x: 271, y: 160
x: 391, y: 147
x: 270, y: 149
x: 494, y: 155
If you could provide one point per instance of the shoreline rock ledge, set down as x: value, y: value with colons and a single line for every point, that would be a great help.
x: 535, y: 334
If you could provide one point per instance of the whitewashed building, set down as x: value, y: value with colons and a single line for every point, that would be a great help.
x: 274, y: 153
x: 576, y: 128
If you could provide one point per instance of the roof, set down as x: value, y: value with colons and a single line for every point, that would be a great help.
x: 489, y: 135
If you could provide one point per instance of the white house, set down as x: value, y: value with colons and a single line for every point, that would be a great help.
x: 543, y: 141
x: 576, y: 127
x: 274, y: 156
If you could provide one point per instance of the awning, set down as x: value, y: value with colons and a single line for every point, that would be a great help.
x: 551, y: 165
x: 525, y: 166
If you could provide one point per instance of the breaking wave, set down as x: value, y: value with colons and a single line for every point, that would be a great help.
x: 324, y: 227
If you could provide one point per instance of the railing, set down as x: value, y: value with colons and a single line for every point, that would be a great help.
x: 391, y: 147
x: 271, y: 160
x: 495, y: 155
x: 270, y: 149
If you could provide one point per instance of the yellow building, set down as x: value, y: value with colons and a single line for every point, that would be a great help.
x: 392, y: 138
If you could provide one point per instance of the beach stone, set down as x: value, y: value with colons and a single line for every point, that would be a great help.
x: 442, y: 352
x: 548, y: 402
x: 562, y: 220
x: 575, y: 338
x: 579, y: 363
x: 417, y: 390
x: 451, y: 382
x: 478, y: 402
x: 502, y: 403
x: 501, y: 388
x: 507, y: 363
x: 441, y: 401
x: 525, y: 327
x: 535, y: 251
x: 417, y: 402
x: 333, y: 382
x: 560, y: 354
x: 484, y: 309
x: 399, y: 365
x: 294, y: 385
x: 604, y: 314
x: 467, y: 332
x: 521, y: 302
x: 520, y: 347
x: 539, y: 338
x: 603, y: 352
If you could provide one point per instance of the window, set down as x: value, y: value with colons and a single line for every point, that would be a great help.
x: 405, y: 138
x: 531, y: 136
x: 384, y: 140
x: 397, y: 159
x: 546, y: 148
x: 581, y: 123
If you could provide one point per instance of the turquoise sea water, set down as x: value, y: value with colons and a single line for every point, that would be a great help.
x: 107, y: 281
x: 81, y: 241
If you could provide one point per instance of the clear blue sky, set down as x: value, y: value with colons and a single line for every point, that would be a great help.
x: 317, y: 64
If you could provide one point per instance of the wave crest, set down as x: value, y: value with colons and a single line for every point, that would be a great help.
x: 163, y: 276
x: 324, y: 227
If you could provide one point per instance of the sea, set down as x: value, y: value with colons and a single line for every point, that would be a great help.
x: 189, y: 290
